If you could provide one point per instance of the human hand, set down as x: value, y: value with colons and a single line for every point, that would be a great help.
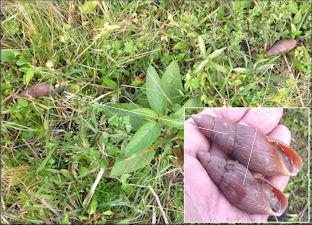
x: 203, y: 202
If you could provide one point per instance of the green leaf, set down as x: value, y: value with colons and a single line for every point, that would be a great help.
x: 193, y: 102
x: 155, y: 95
x: 216, y: 53
x: 124, y: 221
x: 297, y: 18
x: 22, y: 62
x: 176, y: 120
x: 143, y: 138
x: 241, y: 70
x: 92, y: 207
x: 201, y: 66
x: 28, y: 75
x: 83, y: 171
x: 299, y: 24
x: 140, y: 116
x: 219, y: 67
x: 263, y: 68
x: 9, y: 55
x: 171, y: 82
x: 182, y: 45
x: 65, y: 219
x: 133, y: 163
x: 66, y: 174
x: 120, y: 109
x: 202, y: 46
x: 264, y: 64
x: 89, y: 7
x: 300, y: 66
x: 45, y: 161
x: 109, y: 83
x: 220, y: 14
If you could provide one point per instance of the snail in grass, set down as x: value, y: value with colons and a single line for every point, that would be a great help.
x: 41, y: 90
x: 282, y: 46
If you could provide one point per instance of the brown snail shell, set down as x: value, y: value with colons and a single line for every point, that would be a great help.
x: 253, y: 195
x: 269, y: 156
x: 41, y: 90
x: 281, y: 47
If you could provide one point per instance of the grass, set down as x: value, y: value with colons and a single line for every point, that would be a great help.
x: 53, y: 148
x: 297, y: 190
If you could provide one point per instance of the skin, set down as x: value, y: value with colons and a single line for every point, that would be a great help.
x: 203, y: 202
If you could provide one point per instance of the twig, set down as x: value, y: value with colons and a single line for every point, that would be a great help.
x: 159, y: 204
x: 249, y: 52
x: 3, y: 220
x: 276, y: 219
x: 49, y: 207
x: 93, y: 187
x: 3, y: 208
x: 101, y: 96
x: 209, y: 16
x: 154, y: 216
x: 303, y: 212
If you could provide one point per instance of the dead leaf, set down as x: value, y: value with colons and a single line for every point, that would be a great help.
x: 179, y: 154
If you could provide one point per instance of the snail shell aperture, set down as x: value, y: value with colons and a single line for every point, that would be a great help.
x: 252, y: 195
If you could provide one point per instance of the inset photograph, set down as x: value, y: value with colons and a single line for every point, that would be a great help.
x: 246, y: 165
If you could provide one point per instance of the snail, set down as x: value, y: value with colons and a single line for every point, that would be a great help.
x: 40, y: 90
x: 252, y: 194
x: 269, y: 156
x: 282, y: 46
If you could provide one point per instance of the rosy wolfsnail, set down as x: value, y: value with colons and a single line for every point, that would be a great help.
x: 268, y: 157
x: 40, y: 90
x: 249, y: 193
x: 281, y: 47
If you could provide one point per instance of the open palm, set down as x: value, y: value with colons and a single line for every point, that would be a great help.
x: 203, y: 201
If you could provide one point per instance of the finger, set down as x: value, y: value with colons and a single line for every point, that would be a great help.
x: 283, y: 134
x: 197, y: 189
x: 266, y: 119
x: 194, y: 140
x: 279, y: 181
x: 258, y: 218
x: 231, y: 114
